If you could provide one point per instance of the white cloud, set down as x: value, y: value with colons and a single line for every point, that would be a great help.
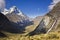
x: 54, y: 2
x: 2, y: 4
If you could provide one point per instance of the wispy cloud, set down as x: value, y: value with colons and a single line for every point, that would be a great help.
x: 53, y: 3
x: 2, y: 4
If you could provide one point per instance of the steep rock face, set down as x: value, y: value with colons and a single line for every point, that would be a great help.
x: 55, y: 15
x: 6, y: 25
x: 33, y: 25
x: 41, y: 27
x: 43, y: 23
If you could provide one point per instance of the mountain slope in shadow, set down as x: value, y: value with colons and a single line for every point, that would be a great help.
x: 6, y: 25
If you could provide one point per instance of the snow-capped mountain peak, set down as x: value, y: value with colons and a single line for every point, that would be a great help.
x: 5, y: 11
x: 15, y: 10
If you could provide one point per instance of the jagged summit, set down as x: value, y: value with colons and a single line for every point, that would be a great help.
x: 14, y: 10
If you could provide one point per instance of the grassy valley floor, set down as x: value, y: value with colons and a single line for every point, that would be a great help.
x: 49, y: 36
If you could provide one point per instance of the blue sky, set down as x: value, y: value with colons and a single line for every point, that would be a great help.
x: 31, y: 8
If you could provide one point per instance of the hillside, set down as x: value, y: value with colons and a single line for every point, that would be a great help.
x: 8, y: 26
x: 50, y: 22
x: 55, y: 15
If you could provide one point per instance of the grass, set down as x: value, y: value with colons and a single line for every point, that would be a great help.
x: 49, y: 36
